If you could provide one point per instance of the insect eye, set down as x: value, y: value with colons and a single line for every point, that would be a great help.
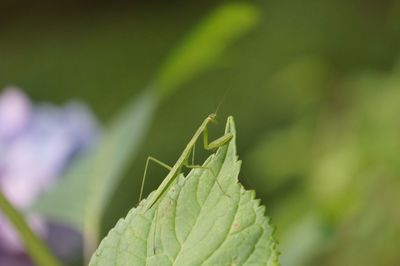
x: 213, y: 120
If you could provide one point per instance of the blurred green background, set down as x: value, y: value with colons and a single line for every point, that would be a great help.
x: 314, y: 89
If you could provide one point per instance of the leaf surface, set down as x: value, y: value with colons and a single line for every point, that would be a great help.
x: 205, y: 218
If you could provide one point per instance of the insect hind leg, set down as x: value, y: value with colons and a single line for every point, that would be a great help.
x: 150, y: 158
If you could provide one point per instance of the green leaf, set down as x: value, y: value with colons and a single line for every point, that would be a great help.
x: 205, y: 45
x: 34, y: 246
x: 195, y: 222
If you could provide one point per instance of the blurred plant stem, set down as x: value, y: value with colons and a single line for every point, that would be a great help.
x: 38, y: 251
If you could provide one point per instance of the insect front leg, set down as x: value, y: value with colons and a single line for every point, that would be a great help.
x: 215, y: 143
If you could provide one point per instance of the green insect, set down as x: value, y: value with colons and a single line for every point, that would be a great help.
x: 183, y: 159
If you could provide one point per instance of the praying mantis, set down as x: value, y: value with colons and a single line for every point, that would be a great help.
x: 182, y: 161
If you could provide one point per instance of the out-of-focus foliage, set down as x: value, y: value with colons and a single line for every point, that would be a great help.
x: 205, y: 45
x: 92, y: 180
x: 335, y: 175
x: 39, y: 252
x: 314, y: 90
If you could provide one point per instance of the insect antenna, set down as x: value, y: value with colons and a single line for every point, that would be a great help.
x: 221, y: 101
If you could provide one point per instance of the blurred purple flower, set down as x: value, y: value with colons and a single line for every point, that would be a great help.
x: 37, y: 142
